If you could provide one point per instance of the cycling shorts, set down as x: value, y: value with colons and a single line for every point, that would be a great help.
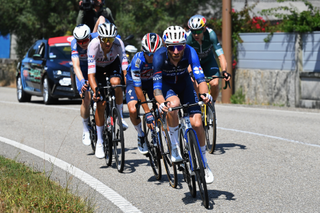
x: 184, y: 90
x: 112, y: 70
x: 131, y: 93
x: 210, y: 68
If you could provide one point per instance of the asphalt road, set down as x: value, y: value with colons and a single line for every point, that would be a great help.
x: 266, y: 160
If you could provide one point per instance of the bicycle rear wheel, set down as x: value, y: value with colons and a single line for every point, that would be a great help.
x: 118, y: 139
x: 198, y: 167
x: 107, y: 147
x: 210, y: 128
x: 188, y: 177
x: 165, y: 144
x: 153, y: 149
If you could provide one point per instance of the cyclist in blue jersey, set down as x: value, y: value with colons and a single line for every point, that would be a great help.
x: 139, y: 78
x: 205, y: 41
x: 171, y: 83
x: 79, y: 45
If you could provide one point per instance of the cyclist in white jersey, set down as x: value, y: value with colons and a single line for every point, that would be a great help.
x: 106, y: 58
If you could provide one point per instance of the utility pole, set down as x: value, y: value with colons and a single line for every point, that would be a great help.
x: 227, y: 46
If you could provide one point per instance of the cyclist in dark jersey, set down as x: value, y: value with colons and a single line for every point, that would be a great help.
x: 205, y: 41
x: 171, y: 82
x: 139, y: 79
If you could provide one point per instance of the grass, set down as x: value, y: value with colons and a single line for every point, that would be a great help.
x: 25, y: 190
x: 238, y: 97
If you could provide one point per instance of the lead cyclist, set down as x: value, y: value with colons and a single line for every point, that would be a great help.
x: 204, y: 40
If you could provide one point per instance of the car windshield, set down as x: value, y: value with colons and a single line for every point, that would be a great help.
x: 60, y: 51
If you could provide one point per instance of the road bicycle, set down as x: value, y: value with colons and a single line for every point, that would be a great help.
x: 113, y: 130
x: 192, y: 165
x: 209, y: 119
x: 152, y: 138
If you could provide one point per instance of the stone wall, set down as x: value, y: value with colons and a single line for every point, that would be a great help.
x: 7, y: 72
x: 266, y: 87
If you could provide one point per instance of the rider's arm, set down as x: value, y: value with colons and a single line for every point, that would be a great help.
x: 92, y: 52
x: 157, y: 77
x: 76, y: 68
x: 218, y: 49
x: 141, y: 97
x: 122, y: 55
x: 80, y: 18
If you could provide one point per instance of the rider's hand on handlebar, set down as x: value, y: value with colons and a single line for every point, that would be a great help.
x: 164, y: 107
x: 226, y: 75
x: 96, y: 99
x: 206, y: 98
x: 149, y: 119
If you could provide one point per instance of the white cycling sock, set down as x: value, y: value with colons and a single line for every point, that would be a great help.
x: 100, y: 134
x: 203, y: 150
x: 139, y: 130
x: 174, y: 136
x: 120, y: 107
x: 85, y: 124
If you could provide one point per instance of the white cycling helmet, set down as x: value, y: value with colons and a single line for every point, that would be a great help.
x: 107, y: 30
x: 197, y: 22
x: 81, y: 32
x: 174, y: 35
x: 151, y: 42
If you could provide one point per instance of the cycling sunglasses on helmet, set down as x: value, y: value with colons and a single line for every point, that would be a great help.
x: 83, y: 41
x: 106, y: 39
x: 196, y: 31
x: 178, y: 47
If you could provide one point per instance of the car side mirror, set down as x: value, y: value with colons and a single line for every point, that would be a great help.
x: 38, y: 57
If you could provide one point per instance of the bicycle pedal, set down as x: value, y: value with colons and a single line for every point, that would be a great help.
x: 181, y: 167
x: 147, y: 155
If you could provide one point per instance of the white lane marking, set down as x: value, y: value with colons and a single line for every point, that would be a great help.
x: 270, y: 136
x: 97, y: 185
x: 266, y: 109
x: 39, y: 105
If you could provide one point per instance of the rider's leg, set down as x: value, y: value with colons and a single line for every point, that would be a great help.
x: 118, y: 93
x: 133, y: 117
x: 214, y: 90
x: 99, y: 21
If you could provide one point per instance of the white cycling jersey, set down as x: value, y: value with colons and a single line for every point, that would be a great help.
x: 96, y: 56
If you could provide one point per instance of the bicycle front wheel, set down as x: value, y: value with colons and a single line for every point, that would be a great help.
x: 165, y: 144
x: 118, y: 139
x: 198, y: 167
x: 153, y: 149
x: 188, y: 177
x: 92, y: 127
x: 210, y: 128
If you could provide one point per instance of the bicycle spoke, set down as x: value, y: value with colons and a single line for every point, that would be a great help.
x: 118, y: 139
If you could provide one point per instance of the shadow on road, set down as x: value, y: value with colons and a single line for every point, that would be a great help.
x: 221, y: 148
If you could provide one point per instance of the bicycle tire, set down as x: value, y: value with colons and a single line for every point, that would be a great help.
x: 188, y: 178
x: 118, y: 139
x: 198, y: 167
x: 92, y: 128
x: 165, y: 143
x: 107, y: 148
x: 210, y: 128
x: 153, y: 151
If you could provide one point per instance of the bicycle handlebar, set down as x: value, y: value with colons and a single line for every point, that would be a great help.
x: 183, y: 106
x: 208, y: 79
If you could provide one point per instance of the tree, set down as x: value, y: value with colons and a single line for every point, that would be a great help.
x: 30, y: 20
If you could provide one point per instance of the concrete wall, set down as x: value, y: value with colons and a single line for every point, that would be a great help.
x: 285, y: 71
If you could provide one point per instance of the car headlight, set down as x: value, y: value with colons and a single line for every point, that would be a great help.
x: 60, y: 73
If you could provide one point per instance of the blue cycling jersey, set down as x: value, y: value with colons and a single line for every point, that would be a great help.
x: 140, y: 71
x: 164, y: 70
x: 78, y: 52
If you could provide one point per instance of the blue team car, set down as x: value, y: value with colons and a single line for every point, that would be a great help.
x: 45, y: 71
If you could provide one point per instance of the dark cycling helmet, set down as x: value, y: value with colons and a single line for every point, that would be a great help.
x: 93, y: 1
x: 81, y: 32
x: 151, y: 42
x: 174, y: 35
x: 197, y: 22
x: 107, y: 30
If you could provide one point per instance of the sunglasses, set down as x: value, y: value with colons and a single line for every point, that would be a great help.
x: 196, y: 31
x: 83, y: 41
x: 107, y: 39
x: 178, y: 47
x: 149, y: 54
